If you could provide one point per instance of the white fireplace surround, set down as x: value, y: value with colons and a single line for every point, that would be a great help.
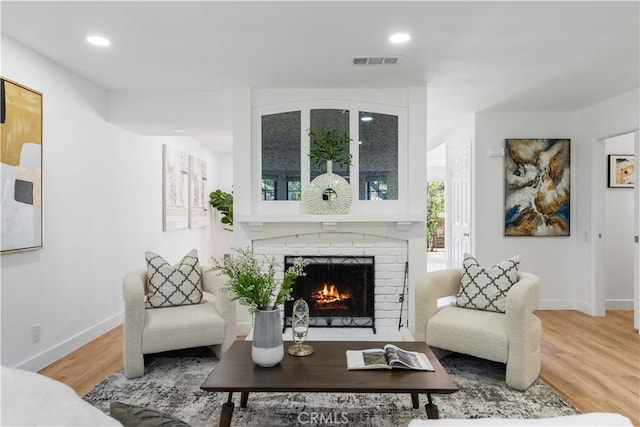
x: 392, y: 246
x: 390, y: 256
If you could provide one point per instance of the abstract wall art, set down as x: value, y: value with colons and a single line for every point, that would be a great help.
x: 198, y: 200
x: 621, y: 168
x: 21, y: 174
x: 537, y: 180
x: 176, y: 189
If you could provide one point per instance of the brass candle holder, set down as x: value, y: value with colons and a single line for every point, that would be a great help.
x: 300, y: 329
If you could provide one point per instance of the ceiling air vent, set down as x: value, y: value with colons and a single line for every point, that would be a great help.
x: 375, y: 60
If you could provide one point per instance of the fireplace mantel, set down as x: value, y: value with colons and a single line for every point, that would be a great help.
x: 402, y: 222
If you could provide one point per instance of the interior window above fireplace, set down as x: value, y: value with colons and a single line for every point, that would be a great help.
x: 378, y: 140
x: 280, y: 155
x: 378, y: 154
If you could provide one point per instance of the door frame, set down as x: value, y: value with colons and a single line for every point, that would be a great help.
x: 598, y: 298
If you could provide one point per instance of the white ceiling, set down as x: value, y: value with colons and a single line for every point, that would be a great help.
x: 472, y: 56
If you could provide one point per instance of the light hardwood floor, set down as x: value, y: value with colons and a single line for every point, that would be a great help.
x: 594, y: 362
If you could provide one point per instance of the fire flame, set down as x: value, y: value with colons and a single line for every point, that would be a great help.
x: 329, y: 294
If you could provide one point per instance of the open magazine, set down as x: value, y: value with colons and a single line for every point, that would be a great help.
x: 388, y: 357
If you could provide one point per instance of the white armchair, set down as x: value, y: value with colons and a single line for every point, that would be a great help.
x: 512, y: 337
x: 212, y: 322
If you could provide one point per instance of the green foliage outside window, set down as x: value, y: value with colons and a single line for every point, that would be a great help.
x: 435, y: 207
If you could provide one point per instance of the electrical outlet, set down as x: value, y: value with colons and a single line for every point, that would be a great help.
x: 35, y: 333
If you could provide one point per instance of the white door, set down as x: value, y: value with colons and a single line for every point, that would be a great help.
x: 458, y: 205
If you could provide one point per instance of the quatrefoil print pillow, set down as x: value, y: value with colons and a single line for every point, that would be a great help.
x: 485, y: 288
x: 168, y: 286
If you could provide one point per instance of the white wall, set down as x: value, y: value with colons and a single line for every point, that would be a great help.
x: 570, y: 268
x: 102, y: 210
x: 611, y: 117
x: 618, y: 234
x: 550, y: 258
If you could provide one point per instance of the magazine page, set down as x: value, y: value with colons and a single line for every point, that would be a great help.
x: 400, y: 358
x: 367, y: 359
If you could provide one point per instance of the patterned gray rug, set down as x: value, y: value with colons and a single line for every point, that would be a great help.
x: 171, y: 385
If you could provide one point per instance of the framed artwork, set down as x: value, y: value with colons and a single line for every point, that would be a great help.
x: 21, y: 158
x: 198, y: 200
x: 537, y: 180
x: 175, y: 189
x: 621, y: 168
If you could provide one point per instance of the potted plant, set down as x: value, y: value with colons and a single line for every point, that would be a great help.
x: 329, y: 147
x: 223, y: 202
x: 253, y: 284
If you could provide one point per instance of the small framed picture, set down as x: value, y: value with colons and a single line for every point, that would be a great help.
x: 621, y: 170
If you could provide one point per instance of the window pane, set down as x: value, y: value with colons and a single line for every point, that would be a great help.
x: 294, y: 190
x: 378, y: 153
x: 280, y: 153
x: 268, y: 189
x: 337, y: 120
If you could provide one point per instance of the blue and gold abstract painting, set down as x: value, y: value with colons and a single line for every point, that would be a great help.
x: 537, y: 187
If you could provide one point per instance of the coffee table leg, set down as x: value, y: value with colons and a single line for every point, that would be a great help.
x: 227, y: 412
x: 244, y: 396
x: 415, y: 400
x: 432, y: 410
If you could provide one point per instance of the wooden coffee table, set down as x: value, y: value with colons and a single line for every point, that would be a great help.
x: 323, y: 371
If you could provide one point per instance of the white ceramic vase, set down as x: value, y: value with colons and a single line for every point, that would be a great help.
x: 328, y: 193
x: 267, y: 349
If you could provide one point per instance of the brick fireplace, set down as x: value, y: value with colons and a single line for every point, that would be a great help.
x: 388, y: 256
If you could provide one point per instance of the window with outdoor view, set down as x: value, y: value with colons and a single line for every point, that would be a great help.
x: 280, y: 155
x: 378, y: 156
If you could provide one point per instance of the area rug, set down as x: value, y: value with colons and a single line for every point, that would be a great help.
x: 171, y: 385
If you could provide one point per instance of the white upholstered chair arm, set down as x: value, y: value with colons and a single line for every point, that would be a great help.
x: 133, y: 292
x: 214, y: 282
x: 429, y: 289
x: 522, y: 299
x: 524, y: 331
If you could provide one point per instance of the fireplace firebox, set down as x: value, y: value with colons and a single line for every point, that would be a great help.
x: 339, y: 290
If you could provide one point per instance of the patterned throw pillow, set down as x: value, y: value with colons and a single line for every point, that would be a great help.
x: 169, y: 286
x: 137, y: 416
x: 483, y: 288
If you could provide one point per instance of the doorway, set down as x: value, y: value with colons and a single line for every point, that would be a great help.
x: 435, y: 200
x: 619, y: 200
x: 619, y: 295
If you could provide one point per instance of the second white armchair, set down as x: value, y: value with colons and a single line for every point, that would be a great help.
x: 512, y: 337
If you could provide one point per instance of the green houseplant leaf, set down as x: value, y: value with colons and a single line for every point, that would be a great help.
x: 223, y: 202
x: 328, y: 145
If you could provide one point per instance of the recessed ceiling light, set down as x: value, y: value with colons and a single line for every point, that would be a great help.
x: 366, y: 118
x: 178, y: 130
x: 399, y: 38
x: 98, y: 40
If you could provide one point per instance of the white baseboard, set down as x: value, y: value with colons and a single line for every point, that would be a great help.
x: 585, y: 308
x: 557, y: 304
x: 619, y: 304
x: 54, y: 353
x: 243, y: 328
